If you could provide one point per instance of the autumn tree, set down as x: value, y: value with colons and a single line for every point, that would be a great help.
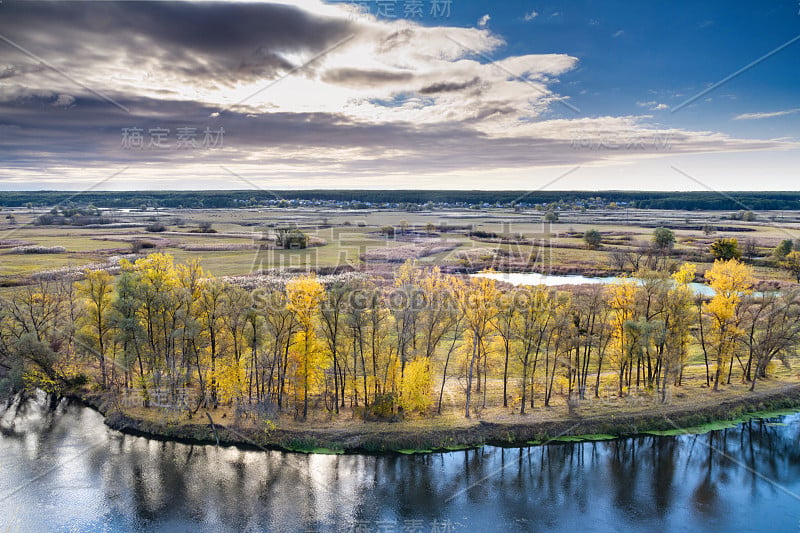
x: 590, y: 313
x: 406, y: 305
x: 678, y: 318
x: 129, y: 332
x: 503, y: 323
x: 726, y: 249
x: 417, y: 386
x: 622, y: 300
x: 37, y: 333
x: 478, y: 304
x: 97, y: 291
x: 783, y: 249
x: 333, y: 310
x: 280, y: 325
x: 530, y: 329
x: 304, y: 296
x: 792, y: 263
x: 730, y: 280
x: 592, y: 238
x: 210, y: 312
x: 771, y: 330
x: 663, y: 239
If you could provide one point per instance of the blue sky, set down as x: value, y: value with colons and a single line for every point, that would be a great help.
x: 632, y: 53
x: 313, y: 94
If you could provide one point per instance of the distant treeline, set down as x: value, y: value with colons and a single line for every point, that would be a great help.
x: 703, y: 200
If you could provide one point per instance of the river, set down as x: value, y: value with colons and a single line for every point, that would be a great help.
x: 62, y: 469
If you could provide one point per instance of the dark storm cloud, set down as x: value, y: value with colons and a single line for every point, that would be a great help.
x: 445, y: 87
x: 359, y: 77
x: 220, y: 41
x: 90, y: 131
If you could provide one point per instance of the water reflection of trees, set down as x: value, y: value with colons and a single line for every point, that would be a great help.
x: 639, y: 482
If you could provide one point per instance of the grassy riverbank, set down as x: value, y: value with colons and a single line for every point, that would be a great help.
x: 347, y: 435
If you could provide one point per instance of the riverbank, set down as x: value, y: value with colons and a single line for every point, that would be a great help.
x: 355, y: 436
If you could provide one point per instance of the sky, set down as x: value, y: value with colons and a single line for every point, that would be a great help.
x: 400, y: 94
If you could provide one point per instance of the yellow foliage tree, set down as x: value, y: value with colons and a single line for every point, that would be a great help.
x: 622, y: 300
x: 231, y: 379
x: 97, y: 290
x: 417, y: 386
x: 478, y: 302
x: 677, y: 321
x: 304, y: 296
x: 730, y: 280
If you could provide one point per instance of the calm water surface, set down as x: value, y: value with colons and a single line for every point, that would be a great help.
x: 63, y: 470
x: 533, y: 278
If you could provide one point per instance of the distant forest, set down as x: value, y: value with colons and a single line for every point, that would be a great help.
x: 704, y: 200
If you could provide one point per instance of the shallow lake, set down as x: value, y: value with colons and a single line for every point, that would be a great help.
x: 533, y: 278
x: 64, y: 470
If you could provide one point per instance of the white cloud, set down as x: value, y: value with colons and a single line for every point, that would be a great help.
x: 653, y: 105
x: 757, y: 116
x: 484, y: 20
x: 618, y: 33
x: 531, y: 15
x: 64, y: 100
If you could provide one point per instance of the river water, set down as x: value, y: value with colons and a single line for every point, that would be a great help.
x: 64, y: 470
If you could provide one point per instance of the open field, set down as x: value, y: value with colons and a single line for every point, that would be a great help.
x: 344, y: 236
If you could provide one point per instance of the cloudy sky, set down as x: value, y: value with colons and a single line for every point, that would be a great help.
x: 437, y: 94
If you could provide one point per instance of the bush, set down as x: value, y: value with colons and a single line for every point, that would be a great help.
x: 663, y: 239
x: 592, y: 238
x: 383, y: 406
x: 205, y: 227
x: 726, y: 249
x: 483, y: 234
x: 140, y: 244
x: 292, y: 239
x: 155, y: 227
x: 783, y: 249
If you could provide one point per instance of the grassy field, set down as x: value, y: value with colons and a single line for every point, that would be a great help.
x: 347, y: 235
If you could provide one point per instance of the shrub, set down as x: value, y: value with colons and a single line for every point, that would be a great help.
x: 141, y: 244
x: 726, y: 249
x: 480, y: 234
x: 292, y: 239
x: 663, y: 239
x: 205, y: 227
x: 383, y: 406
x: 155, y: 227
x: 783, y: 248
x: 592, y: 238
